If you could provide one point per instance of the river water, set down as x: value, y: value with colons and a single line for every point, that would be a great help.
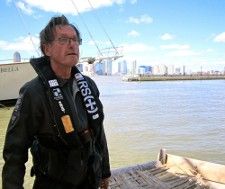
x: 187, y: 118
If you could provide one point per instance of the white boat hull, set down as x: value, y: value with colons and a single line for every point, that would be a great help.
x: 12, y: 77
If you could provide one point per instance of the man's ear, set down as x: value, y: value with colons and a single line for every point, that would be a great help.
x: 47, y: 49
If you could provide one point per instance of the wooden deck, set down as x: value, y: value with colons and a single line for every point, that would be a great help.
x: 153, y: 176
x: 166, y: 174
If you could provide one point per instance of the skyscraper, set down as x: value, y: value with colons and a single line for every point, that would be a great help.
x: 108, y: 67
x: 122, y: 67
x: 16, y: 57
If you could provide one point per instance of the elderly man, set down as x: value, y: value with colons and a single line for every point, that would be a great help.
x: 60, y: 117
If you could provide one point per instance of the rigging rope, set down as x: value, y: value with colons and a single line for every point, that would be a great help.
x: 87, y: 28
x: 24, y: 24
x: 97, y: 18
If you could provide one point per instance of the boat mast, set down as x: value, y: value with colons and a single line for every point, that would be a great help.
x: 101, y: 25
x: 86, y: 27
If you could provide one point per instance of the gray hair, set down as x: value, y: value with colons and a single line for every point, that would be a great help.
x: 47, y: 34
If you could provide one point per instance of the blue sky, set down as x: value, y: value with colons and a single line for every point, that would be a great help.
x: 150, y: 32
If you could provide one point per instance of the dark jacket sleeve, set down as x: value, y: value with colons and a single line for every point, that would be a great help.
x: 101, y: 140
x: 105, y: 161
x: 17, y: 141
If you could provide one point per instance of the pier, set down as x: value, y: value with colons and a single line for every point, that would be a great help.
x: 171, y: 77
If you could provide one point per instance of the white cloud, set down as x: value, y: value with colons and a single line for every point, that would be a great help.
x: 133, y: 33
x: 174, y: 46
x: 97, y: 42
x: 136, y: 47
x: 20, y: 44
x: 69, y: 7
x: 167, y: 36
x: 209, y: 50
x: 8, y: 1
x: 133, y: 2
x: 176, y: 50
x: 24, y: 7
x: 185, y: 52
x: 142, y: 19
x: 220, y: 38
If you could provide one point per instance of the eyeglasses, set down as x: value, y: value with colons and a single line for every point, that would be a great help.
x: 68, y: 40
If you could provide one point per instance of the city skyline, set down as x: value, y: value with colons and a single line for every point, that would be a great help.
x: 109, y: 67
x: 121, y: 66
x: 173, y: 32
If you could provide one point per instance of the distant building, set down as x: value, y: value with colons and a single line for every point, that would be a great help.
x: 145, y: 70
x: 171, y: 70
x: 86, y: 68
x: 122, y: 67
x: 142, y: 70
x: 134, y: 67
x: 99, y: 68
x: 106, y: 67
x: 80, y: 67
x: 184, y: 70
x: 148, y: 69
x: 119, y: 67
x: 16, y: 57
x: 107, y: 64
x: 177, y: 71
x: 160, y: 70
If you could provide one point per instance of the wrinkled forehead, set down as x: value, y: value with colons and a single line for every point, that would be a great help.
x: 65, y: 30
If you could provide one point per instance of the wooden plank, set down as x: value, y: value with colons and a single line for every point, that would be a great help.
x: 144, y: 179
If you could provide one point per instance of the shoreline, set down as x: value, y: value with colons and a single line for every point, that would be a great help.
x: 171, y: 77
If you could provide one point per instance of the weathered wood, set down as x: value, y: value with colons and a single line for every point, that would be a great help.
x: 206, y: 170
x: 157, y: 177
x: 176, y: 173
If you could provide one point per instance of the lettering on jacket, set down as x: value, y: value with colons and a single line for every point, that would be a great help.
x: 89, y: 99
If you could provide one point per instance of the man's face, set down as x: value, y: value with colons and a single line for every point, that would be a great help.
x: 64, y: 50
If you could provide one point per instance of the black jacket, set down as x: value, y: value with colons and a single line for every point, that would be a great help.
x: 33, y: 119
